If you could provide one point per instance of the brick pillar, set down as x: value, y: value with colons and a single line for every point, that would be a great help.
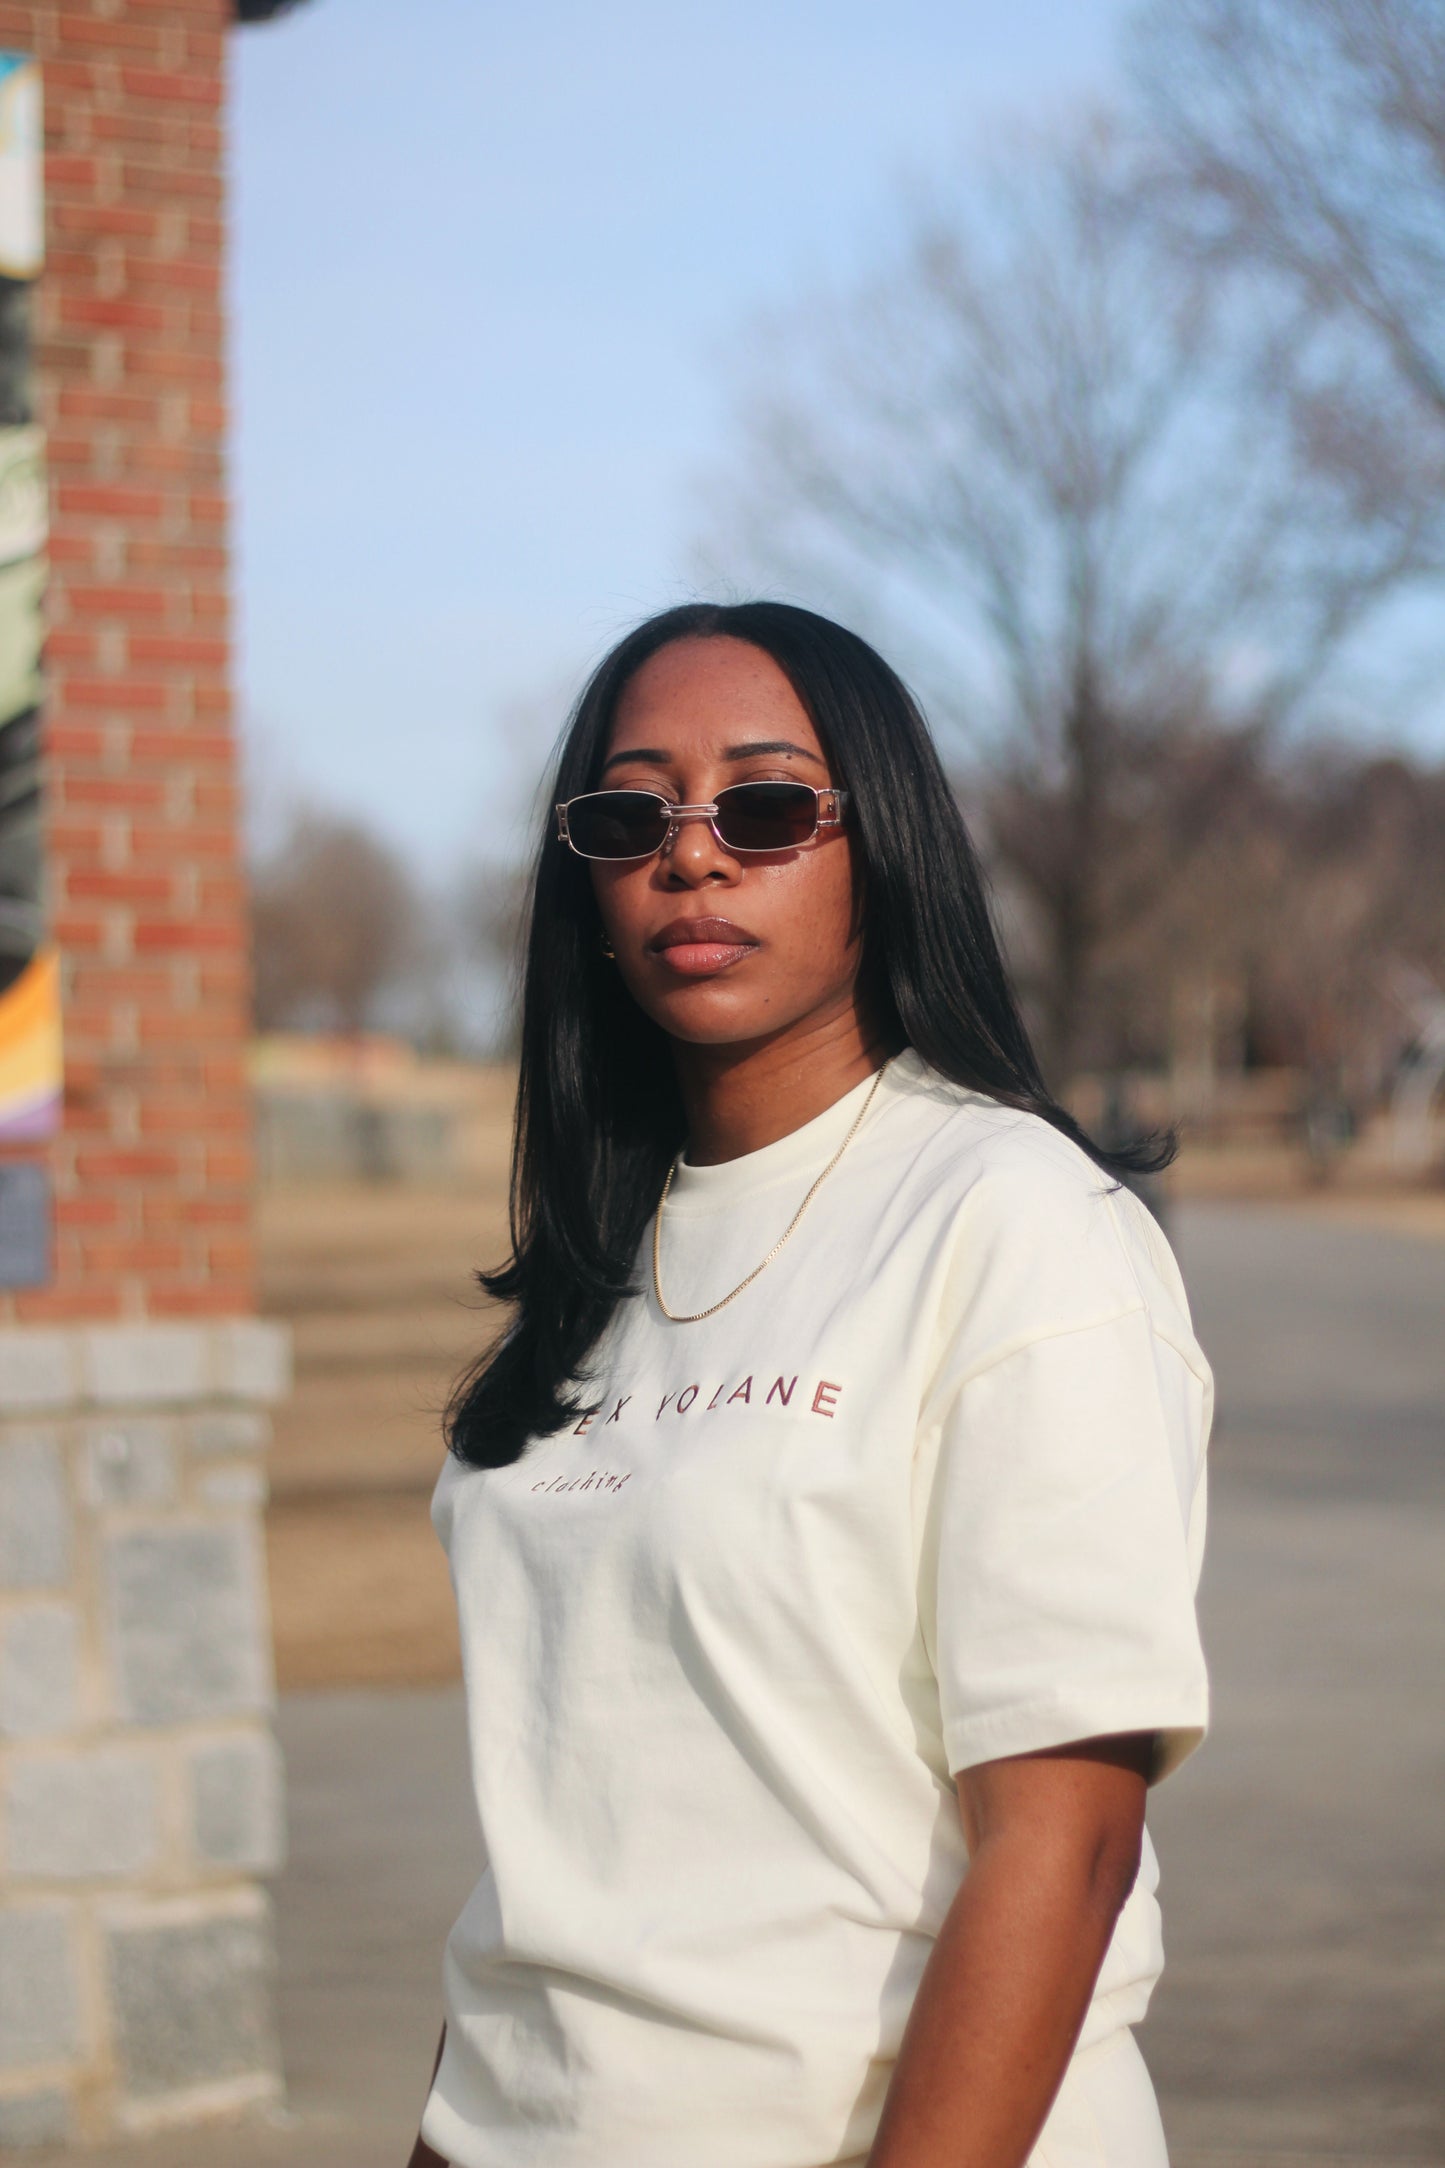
x: 139, y: 1787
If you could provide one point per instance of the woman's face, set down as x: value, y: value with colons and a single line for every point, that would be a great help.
x: 718, y: 948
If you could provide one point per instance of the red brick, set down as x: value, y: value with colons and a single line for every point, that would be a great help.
x: 82, y: 402
x: 178, y: 647
x: 198, y: 12
x: 205, y: 47
x: 194, y: 1028
x: 119, y: 887
x: 70, y: 267
x: 117, y: 601
x: 226, y: 1165
x: 173, y: 274
x: 105, y: 312
x: 203, y: 1119
x: 93, y: 1209
x: 164, y: 365
x: 64, y: 1305
x: 162, y: 1208
x: 85, y: 34
x: 148, y: 840
x: 193, y: 87
x: 90, y: 1037
x: 224, y: 893
x: 114, y: 220
x: 131, y: 130
x: 63, y: 75
x: 217, y: 798
x: 69, y: 449
x: 65, y: 740
x: 75, y: 932
x: 61, y: 172
x: 115, y: 1257
x: 64, y: 645
x: 121, y: 982
x: 108, y: 790
x: 103, y: 500
x: 67, y: 359
x: 89, y: 1116
x: 69, y: 549
x: 219, y: 1299
x: 169, y: 184
x: 145, y: 554
x: 226, y: 1072
x: 182, y: 936
x: 125, y: 695
x: 134, y: 1165
x: 184, y: 748
x: 69, y: 840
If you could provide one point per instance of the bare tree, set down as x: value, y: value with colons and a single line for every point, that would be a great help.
x: 1305, y: 140
x: 336, y: 923
x: 1040, y: 431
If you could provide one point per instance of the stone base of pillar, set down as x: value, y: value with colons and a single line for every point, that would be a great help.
x: 140, y: 1784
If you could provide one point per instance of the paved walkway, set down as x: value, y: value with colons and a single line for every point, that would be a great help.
x: 1300, y: 2020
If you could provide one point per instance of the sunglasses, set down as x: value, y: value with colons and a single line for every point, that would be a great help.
x: 745, y: 817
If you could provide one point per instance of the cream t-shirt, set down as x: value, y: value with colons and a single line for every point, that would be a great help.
x: 929, y: 1492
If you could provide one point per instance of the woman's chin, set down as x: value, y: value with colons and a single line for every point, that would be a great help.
x: 705, y: 1014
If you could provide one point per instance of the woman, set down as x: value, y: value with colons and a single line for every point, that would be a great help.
x: 825, y: 1527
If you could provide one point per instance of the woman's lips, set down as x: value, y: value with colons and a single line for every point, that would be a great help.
x: 696, y: 948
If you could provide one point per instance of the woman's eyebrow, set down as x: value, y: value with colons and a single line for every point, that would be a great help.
x: 650, y: 753
x: 771, y: 745
x: 658, y: 758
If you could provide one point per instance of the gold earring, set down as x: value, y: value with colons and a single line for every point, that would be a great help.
x: 608, y: 950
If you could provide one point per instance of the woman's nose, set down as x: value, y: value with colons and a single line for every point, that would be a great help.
x: 692, y: 853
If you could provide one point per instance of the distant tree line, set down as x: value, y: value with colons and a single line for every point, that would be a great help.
x: 348, y: 938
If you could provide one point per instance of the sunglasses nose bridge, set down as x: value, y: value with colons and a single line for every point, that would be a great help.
x: 677, y: 814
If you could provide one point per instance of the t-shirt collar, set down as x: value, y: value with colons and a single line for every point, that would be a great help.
x: 800, y: 1156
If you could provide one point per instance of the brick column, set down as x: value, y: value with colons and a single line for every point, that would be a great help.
x: 139, y: 1787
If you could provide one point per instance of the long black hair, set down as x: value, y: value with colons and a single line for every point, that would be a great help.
x: 599, y: 1116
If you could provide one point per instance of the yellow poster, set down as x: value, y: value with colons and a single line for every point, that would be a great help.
x: 30, y: 1071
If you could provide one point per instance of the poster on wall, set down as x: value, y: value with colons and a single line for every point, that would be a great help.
x: 30, y: 1068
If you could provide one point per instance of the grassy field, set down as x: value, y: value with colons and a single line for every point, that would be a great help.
x: 375, y: 1283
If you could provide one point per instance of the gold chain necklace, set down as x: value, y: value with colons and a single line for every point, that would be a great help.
x: 696, y: 1317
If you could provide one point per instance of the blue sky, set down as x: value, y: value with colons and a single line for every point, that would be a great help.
x: 490, y: 268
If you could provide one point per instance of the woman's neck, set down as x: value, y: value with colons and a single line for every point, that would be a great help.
x: 740, y: 1097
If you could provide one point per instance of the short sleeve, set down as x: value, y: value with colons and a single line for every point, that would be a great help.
x: 1061, y: 1546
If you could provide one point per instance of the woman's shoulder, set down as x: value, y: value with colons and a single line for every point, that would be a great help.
x: 1042, y: 1238
x: 979, y: 1151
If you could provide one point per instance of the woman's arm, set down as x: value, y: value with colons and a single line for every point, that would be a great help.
x: 422, y: 2155
x: 1053, y: 1844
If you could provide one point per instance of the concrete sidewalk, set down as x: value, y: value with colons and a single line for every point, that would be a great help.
x: 1300, y: 2020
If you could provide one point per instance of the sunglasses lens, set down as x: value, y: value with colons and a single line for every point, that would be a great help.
x: 617, y: 824
x: 766, y: 816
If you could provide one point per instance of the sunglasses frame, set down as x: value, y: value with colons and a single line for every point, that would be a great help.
x: 833, y: 818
